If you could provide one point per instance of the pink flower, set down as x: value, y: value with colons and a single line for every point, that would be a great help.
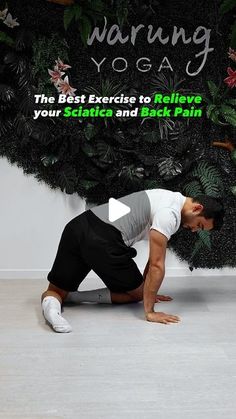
x: 231, y: 80
x: 65, y: 88
x: 56, y: 76
x: 60, y: 65
x: 232, y: 54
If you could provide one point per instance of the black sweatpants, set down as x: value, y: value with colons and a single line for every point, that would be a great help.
x: 87, y: 243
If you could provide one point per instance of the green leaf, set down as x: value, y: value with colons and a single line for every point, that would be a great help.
x: 205, y: 237
x: 213, y: 89
x: 6, y: 39
x: 49, y: 160
x: 24, y: 125
x: 210, y: 108
x: 151, y: 184
x: 227, y: 110
x: 85, y: 28
x: 226, y: 6
x: 231, y: 101
x: 214, y: 116
x: 98, y: 5
x: 90, y: 131
x: 229, y: 114
x: 210, y: 179
x: 70, y: 13
x: 88, y: 149
x: 88, y: 184
x: 67, y: 179
x: 206, y: 99
x: 230, y: 119
x: 193, y: 188
x: 78, y: 11
x: 203, y: 241
x: 122, y: 14
x: 197, y: 247
x: 105, y: 152
x: 119, y: 135
x: 233, y: 190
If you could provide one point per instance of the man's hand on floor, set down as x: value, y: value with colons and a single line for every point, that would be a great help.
x: 162, y: 318
x: 160, y: 298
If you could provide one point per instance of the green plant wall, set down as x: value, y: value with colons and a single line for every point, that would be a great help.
x: 100, y: 158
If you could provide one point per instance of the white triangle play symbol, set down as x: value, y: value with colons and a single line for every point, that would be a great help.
x: 116, y: 209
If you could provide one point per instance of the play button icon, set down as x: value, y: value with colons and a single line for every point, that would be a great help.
x: 116, y: 209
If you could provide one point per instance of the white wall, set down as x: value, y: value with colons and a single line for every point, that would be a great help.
x: 32, y: 219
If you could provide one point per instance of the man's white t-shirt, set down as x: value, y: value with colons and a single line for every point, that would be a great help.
x: 166, y: 209
x: 158, y: 209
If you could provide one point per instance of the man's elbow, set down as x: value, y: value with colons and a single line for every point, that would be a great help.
x: 157, y: 269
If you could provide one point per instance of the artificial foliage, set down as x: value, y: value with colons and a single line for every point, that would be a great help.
x: 220, y: 108
x: 111, y: 157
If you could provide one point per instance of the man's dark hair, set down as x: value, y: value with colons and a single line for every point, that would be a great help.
x: 212, y: 208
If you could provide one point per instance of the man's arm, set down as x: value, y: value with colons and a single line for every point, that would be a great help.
x: 159, y: 298
x: 154, y: 278
x: 146, y: 270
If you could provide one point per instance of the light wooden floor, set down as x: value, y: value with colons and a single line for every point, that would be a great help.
x: 114, y: 365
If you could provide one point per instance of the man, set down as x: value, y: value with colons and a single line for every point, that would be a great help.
x: 91, y: 241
